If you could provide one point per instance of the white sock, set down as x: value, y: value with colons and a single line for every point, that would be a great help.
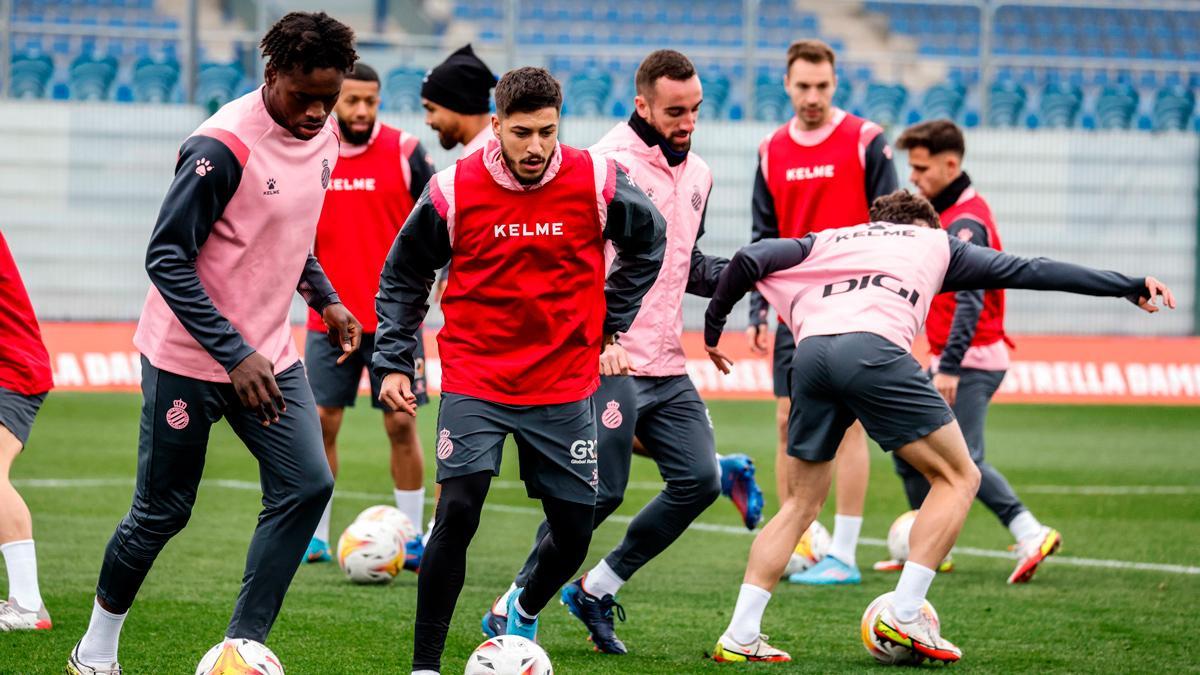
x: 601, y: 580
x: 322, y: 532
x: 1024, y: 527
x: 500, y: 607
x: 521, y: 610
x: 428, y: 531
x: 412, y: 504
x: 911, y: 590
x: 845, y: 538
x: 98, y: 648
x: 425, y: 672
x: 746, y: 624
x: 21, y: 561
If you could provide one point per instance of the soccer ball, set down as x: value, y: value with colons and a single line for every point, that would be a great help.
x: 239, y: 657
x: 897, y: 542
x: 883, y: 651
x: 813, y: 546
x: 371, y: 552
x: 509, y: 655
x: 394, y: 517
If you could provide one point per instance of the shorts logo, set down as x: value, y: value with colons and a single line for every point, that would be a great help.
x: 583, y: 452
x: 612, y: 415
x: 709, y: 416
x: 177, y: 416
x: 445, y: 448
x: 595, y: 478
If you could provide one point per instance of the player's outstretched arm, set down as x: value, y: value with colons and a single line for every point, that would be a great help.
x: 747, y: 268
x: 764, y: 224
x: 421, y: 248
x: 638, y: 233
x: 979, y: 267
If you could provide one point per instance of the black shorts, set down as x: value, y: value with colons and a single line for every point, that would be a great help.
x: 556, y: 444
x: 17, y: 412
x: 336, y: 386
x: 839, y: 378
x: 781, y: 357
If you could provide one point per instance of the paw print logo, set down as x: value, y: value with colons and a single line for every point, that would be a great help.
x: 203, y: 166
x: 270, y: 183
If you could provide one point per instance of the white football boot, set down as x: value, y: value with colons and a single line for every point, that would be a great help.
x: 77, y: 667
x: 729, y: 650
x: 15, y: 617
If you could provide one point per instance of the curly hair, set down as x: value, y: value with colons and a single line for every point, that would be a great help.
x: 309, y: 40
x: 904, y: 208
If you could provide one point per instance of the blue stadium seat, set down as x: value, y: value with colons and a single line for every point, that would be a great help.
x: 884, y: 102
x: 217, y: 84
x: 90, y: 77
x: 843, y: 93
x: 716, y: 94
x: 1173, y: 109
x: 30, y: 73
x: 943, y: 101
x: 771, y: 102
x: 588, y: 92
x: 1006, y: 101
x: 402, y: 89
x: 154, y: 81
x: 1060, y: 105
x: 1115, y: 106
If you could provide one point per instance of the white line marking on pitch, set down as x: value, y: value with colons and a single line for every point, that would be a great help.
x: 1080, y: 490
x: 248, y: 486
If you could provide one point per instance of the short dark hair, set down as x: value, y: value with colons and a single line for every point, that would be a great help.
x: 904, y: 208
x: 662, y: 63
x: 309, y: 40
x: 527, y: 89
x: 813, y: 51
x: 936, y: 136
x: 363, y: 73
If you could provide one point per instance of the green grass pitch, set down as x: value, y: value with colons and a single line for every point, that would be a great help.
x: 1076, y: 466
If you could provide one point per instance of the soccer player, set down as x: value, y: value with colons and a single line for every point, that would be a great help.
x: 966, y: 335
x: 855, y: 298
x: 230, y: 248
x: 455, y: 97
x: 820, y: 170
x: 25, y: 380
x: 644, y: 386
x: 380, y: 174
x: 523, y: 224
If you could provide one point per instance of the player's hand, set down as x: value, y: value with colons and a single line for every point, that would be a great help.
x: 396, y: 393
x: 947, y: 386
x: 756, y: 336
x: 719, y: 359
x: 439, y: 289
x: 254, y: 381
x: 615, y: 361
x: 344, y: 329
x: 1156, y: 289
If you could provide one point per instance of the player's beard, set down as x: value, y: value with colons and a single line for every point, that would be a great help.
x: 355, y: 137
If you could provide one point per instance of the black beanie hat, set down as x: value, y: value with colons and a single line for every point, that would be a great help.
x: 461, y: 83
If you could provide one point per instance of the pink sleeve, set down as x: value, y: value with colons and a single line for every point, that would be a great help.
x: 230, y: 140
x: 408, y: 143
x: 604, y: 171
x: 762, y: 155
x: 865, y: 135
x: 441, y: 193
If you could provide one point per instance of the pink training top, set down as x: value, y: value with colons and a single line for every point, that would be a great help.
x: 251, y: 263
x: 848, y: 284
x: 680, y: 193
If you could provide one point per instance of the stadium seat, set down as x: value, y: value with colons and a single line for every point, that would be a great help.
x: 1059, y: 105
x: 884, y: 102
x: 716, y: 95
x: 1173, y: 108
x: 588, y: 92
x: 154, y: 81
x: 1006, y: 102
x: 943, y: 101
x: 217, y: 84
x: 90, y: 77
x: 844, y: 93
x: 30, y: 74
x: 402, y: 90
x: 771, y: 102
x: 1115, y: 106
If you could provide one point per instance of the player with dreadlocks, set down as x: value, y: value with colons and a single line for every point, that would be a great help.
x: 230, y: 247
